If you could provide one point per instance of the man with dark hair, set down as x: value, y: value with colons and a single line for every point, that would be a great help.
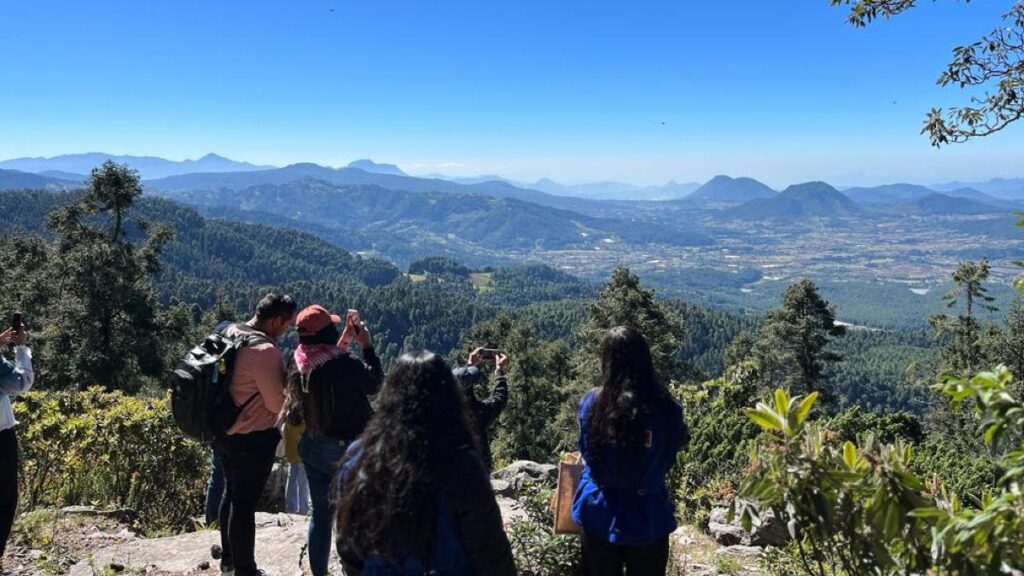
x: 483, y: 413
x: 247, y: 449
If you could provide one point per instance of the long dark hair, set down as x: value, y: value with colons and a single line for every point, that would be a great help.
x: 409, y: 450
x: 630, y: 390
x: 321, y: 408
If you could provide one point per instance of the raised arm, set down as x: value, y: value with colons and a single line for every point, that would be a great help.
x: 495, y: 403
x: 16, y: 378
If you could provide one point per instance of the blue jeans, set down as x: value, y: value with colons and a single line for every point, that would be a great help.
x: 214, y: 488
x: 296, y: 491
x: 321, y: 456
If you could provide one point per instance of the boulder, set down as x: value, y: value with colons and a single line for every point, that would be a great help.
x: 522, y: 472
x: 511, y: 510
x: 740, y: 552
x: 503, y: 488
x: 273, y: 492
x: 770, y: 532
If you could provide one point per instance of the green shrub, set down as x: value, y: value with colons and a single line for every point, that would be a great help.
x: 538, y: 550
x: 111, y: 450
x: 860, y: 508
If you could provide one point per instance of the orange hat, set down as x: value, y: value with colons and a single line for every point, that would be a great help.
x: 314, y: 319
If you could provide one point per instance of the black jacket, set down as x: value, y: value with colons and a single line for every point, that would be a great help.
x: 337, y: 403
x: 483, y: 413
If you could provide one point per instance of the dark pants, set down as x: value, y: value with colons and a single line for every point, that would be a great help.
x: 248, y: 460
x: 214, y: 489
x: 602, y: 558
x: 8, y: 484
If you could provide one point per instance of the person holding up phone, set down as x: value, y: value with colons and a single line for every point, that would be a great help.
x: 484, y: 412
x: 328, y: 391
x: 16, y: 378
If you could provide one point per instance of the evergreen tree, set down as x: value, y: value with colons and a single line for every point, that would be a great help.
x: 103, y: 326
x: 964, y: 352
x: 1006, y: 346
x: 625, y: 302
x: 793, y: 346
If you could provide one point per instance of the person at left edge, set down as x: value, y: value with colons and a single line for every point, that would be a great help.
x: 15, y: 379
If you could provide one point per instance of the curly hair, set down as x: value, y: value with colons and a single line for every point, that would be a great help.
x: 630, y: 390
x: 409, y: 450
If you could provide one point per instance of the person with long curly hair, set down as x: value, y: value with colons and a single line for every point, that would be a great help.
x: 413, y: 496
x: 630, y: 431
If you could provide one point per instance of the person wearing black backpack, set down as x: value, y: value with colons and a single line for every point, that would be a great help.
x: 413, y: 496
x: 328, y: 390
x: 247, y: 448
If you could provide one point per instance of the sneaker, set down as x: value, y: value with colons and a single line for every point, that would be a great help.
x: 227, y: 571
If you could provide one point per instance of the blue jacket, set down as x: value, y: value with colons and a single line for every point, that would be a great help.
x: 632, y: 506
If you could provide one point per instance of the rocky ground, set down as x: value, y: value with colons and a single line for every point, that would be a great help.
x: 81, y: 541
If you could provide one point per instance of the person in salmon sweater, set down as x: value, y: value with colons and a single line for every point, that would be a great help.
x: 248, y: 447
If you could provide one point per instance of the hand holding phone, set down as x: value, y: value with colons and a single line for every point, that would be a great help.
x: 355, y: 329
x: 489, y: 353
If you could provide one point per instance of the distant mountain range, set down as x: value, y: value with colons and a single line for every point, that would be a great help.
x: 15, y: 179
x: 617, y: 190
x: 438, y: 217
x: 809, y: 200
x: 78, y: 166
x: 740, y: 197
x: 895, y: 193
x: 1005, y: 188
x: 935, y: 204
x: 351, y: 176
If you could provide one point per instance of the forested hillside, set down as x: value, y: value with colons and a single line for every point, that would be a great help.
x: 117, y: 285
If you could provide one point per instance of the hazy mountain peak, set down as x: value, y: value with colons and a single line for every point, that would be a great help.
x: 372, y: 167
x: 212, y: 157
x: 813, y: 187
x: 724, y: 188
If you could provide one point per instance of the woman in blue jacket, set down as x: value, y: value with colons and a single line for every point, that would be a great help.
x: 630, y: 431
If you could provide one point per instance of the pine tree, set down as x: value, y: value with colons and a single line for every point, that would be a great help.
x: 964, y: 352
x: 625, y: 302
x: 793, y: 349
x: 103, y: 326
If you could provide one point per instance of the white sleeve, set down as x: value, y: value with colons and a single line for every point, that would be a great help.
x: 23, y: 364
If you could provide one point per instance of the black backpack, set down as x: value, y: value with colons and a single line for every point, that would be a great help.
x: 201, y: 402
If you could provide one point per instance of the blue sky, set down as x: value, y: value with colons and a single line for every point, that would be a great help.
x: 643, y: 91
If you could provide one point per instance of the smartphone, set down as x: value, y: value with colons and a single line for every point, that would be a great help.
x: 18, y: 322
x: 352, y: 319
x: 489, y: 353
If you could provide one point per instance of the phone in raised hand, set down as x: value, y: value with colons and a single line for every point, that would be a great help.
x: 352, y: 319
x: 489, y: 353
